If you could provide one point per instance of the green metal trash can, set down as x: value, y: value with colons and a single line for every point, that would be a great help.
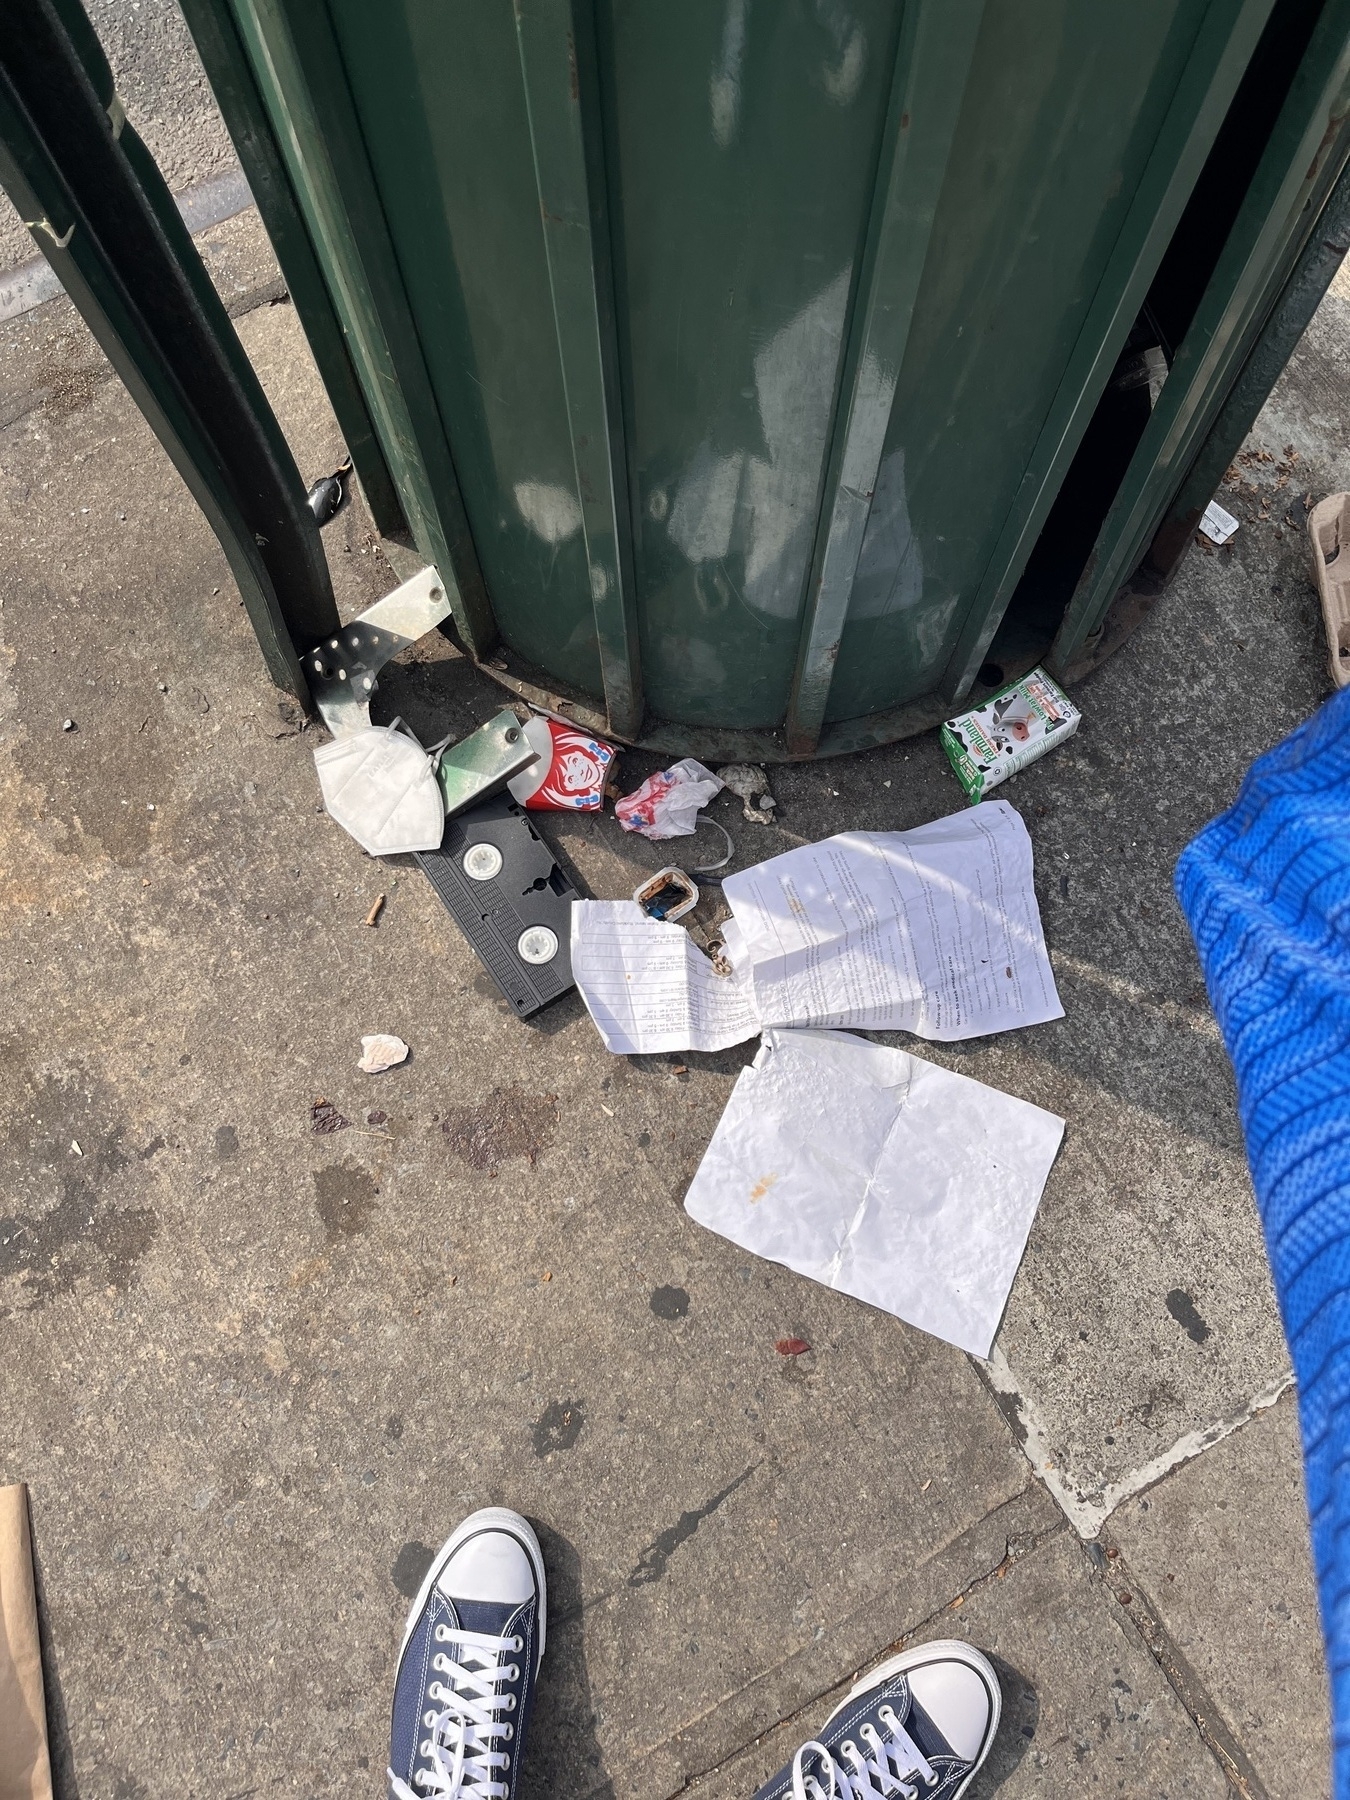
x: 758, y: 372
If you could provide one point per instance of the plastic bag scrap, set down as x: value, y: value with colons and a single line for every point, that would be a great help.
x: 381, y: 787
x: 667, y: 805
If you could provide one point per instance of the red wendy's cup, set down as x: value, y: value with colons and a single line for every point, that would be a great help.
x: 570, y: 774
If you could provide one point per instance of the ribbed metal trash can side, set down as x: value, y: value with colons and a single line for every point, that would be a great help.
x: 758, y: 375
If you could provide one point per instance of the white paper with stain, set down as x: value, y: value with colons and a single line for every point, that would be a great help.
x: 934, y: 930
x: 649, y: 987
x: 881, y: 1175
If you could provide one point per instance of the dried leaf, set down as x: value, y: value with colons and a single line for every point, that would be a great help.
x: 325, y: 1119
x: 793, y: 1346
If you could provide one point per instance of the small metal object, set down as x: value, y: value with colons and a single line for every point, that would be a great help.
x: 482, y: 862
x: 341, y: 670
x: 483, y: 762
x: 325, y: 499
x: 537, y: 944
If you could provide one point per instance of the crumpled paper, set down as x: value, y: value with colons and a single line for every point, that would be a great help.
x: 880, y: 1175
x: 667, y: 805
x: 381, y: 1051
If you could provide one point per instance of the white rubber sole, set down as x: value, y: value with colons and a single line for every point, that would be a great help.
x: 489, y: 1518
x: 948, y: 1650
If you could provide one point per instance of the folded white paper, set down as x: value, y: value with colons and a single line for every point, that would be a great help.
x: 880, y: 1175
x: 934, y: 931
x: 649, y: 987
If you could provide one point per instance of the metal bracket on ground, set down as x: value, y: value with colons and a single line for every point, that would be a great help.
x: 342, y: 670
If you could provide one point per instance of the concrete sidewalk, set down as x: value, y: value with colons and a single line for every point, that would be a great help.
x: 253, y: 1373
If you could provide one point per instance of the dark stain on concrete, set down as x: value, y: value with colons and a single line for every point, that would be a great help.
x: 1182, y: 1307
x: 393, y: 1427
x: 509, y: 1123
x: 67, y: 384
x: 124, y: 1237
x: 345, y: 1199
x: 652, y: 1563
x: 558, y: 1427
x: 670, y: 1303
x: 191, y: 1608
x: 410, y: 1568
x: 50, y: 1251
x: 227, y: 1142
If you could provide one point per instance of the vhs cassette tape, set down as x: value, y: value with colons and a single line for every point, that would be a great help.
x: 510, y: 896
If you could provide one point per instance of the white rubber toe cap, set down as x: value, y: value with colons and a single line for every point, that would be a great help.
x: 490, y: 1565
x: 957, y: 1701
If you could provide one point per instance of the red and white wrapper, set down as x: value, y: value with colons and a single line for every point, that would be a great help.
x: 667, y: 804
x: 570, y: 773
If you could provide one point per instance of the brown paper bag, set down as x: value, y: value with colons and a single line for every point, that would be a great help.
x: 25, y: 1772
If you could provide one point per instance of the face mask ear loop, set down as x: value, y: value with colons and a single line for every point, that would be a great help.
x: 436, y: 751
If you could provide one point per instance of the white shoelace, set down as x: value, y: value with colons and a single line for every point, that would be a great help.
x: 463, y: 1733
x: 877, y: 1769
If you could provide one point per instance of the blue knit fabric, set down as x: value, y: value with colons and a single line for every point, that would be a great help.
x: 1266, y: 891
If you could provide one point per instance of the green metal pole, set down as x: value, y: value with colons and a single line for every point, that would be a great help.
x: 556, y: 42
x: 1318, y: 262
x: 1304, y: 153
x: 303, y: 83
x: 1223, y: 47
x: 101, y: 213
x: 937, y: 42
x: 232, y: 82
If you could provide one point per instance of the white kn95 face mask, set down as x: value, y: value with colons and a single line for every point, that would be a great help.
x: 380, y: 785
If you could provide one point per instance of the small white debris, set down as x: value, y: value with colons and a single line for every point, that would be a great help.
x: 150, y: 806
x: 67, y: 724
x: 163, y: 687
x: 381, y: 1051
x: 1217, y: 524
x: 76, y: 1148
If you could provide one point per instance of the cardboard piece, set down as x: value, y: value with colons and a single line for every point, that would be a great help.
x: 1013, y: 727
x: 25, y: 1768
x: 1329, y: 532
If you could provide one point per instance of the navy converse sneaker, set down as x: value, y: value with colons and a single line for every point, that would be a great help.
x: 471, y: 1652
x: 916, y: 1728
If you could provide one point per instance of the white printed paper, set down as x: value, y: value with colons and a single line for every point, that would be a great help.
x: 882, y: 1176
x: 934, y: 931
x: 650, y: 988
x: 1217, y: 524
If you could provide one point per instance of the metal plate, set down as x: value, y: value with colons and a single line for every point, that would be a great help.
x: 342, y: 670
x: 483, y: 763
